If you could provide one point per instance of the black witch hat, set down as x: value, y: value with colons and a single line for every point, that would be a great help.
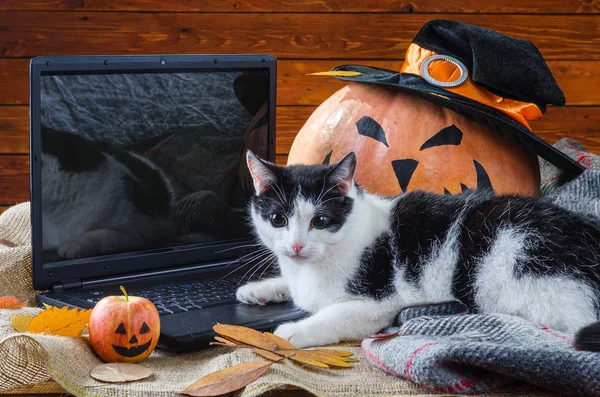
x: 493, y: 79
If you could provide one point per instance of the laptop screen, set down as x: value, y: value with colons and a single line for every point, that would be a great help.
x: 147, y: 161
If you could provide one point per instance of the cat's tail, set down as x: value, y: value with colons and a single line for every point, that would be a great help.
x: 588, y: 338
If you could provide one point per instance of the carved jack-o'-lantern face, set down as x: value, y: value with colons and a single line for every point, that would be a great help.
x: 133, y: 347
x: 404, y: 142
x: 124, y: 330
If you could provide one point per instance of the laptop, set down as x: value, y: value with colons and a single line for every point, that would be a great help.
x: 138, y: 178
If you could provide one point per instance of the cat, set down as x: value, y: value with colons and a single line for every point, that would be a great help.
x: 354, y: 259
x: 97, y: 199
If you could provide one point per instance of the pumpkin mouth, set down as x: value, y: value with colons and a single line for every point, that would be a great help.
x: 132, y: 351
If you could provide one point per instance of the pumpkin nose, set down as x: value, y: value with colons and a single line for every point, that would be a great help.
x: 133, y: 339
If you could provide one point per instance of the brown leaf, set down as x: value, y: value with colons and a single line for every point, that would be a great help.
x: 245, y: 335
x: 304, y: 357
x: 120, y: 372
x: 279, y: 341
x: 63, y: 322
x: 227, y: 380
x: 20, y: 322
x: 11, y: 302
x: 341, y: 73
x: 227, y: 342
x: 329, y: 359
x: 333, y: 352
x: 267, y: 354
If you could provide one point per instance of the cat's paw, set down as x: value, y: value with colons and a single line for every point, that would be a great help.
x: 74, y: 249
x: 262, y: 292
x: 302, y: 335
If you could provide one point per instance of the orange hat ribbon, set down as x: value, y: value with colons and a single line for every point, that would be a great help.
x: 446, y: 71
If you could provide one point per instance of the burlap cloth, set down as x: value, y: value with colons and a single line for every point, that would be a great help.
x: 31, y: 359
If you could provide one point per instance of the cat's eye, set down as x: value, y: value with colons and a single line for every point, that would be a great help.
x: 278, y: 220
x: 319, y: 222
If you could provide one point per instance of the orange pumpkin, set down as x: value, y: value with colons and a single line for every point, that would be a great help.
x: 404, y: 142
x: 124, y: 328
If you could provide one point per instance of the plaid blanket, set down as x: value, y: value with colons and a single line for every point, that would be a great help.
x: 446, y: 350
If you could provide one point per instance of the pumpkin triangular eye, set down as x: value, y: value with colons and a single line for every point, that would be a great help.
x: 368, y: 127
x: 448, y: 136
x: 145, y: 329
x: 121, y: 329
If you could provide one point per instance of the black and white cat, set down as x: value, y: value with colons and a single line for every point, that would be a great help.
x: 354, y: 259
x: 97, y: 199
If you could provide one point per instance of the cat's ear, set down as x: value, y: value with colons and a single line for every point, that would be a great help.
x: 263, y: 174
x: 342, y: 173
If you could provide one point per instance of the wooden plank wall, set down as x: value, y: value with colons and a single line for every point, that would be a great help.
x: 306, y: 36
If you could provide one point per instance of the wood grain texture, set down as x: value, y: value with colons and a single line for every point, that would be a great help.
x: 14, y: 180
x: 579, y: 123
x: 400, y: 6
x: 319, y: 35
x: 14, y: 129
x: 294, y: 87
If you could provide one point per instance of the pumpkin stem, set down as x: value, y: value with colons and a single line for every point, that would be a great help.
x: 124, y: 293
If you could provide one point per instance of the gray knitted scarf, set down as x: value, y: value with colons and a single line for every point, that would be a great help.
x: 446, y: 350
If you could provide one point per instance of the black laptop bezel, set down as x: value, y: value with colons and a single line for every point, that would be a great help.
x: 56, y: 273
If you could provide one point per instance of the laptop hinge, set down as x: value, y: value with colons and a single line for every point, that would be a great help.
x: 67, y: 285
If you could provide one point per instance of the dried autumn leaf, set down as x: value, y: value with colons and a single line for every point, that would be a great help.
x: 245, y: 335
x: 325, y: 358
x: 63, y: 322
x: 120, y: 372
x: 341, y: 73
x: 301, y: 356
x: 269, y: 355
x: 279, y: 341
x: 20, y: 322
x: 227, y: 380
x: 11, y: 302
x: 225, y: 342
x: 333, y: 352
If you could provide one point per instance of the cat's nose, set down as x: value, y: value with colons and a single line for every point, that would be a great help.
x: 297, y: 247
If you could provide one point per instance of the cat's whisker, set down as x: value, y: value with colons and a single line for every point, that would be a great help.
x: 255, y: 268
x: 256, y: 257
x: 266, y: 268
x: 267, y: 261
x: 238, y: 247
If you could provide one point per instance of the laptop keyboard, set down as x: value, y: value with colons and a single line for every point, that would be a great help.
x: 186, y: 297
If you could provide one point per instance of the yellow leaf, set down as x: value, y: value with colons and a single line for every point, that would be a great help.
x: 20, y: 322
x: 267, y: 354
x: 279, y: 341
x: 332, y: 352
x: 227, y: 380
x: 301, y: 356
x: 245, y: 335
x: 340, y: 73
x: 63, y: 322
x: 325, y: 358
x: 11, y: 302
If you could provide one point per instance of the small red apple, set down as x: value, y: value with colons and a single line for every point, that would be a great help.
x: 124, y: 328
